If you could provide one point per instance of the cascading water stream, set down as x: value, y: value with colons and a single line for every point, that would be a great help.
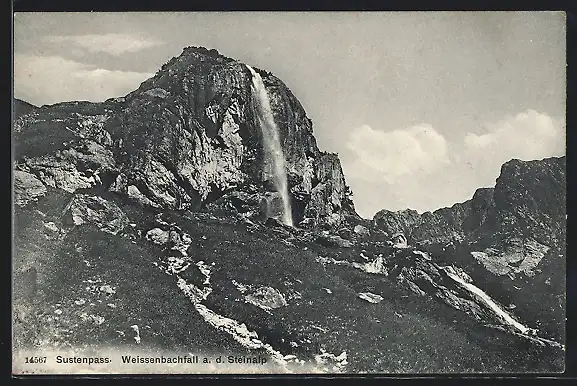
x: 486, y: 299
x: 271, y: 140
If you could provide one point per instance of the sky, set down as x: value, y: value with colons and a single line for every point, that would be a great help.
x: 423, y: 108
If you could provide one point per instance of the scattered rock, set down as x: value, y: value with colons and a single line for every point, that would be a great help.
x: 338, y: 362
x: 80, y: 302
x: 108, y: 290
x: 370, y: 297
x: 157, y: 236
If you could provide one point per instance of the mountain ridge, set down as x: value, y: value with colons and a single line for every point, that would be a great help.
x: 511, y: 237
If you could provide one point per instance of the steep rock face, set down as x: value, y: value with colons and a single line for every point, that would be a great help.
x: 531, y: 196
x: 443, y: 226
x: 184, y: 138
x: 329, y: 201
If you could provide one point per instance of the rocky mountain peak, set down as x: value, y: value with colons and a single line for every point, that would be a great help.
x: 531, y: 193
x: 185, y: 137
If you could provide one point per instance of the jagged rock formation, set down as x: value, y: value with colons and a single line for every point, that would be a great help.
x: 184, y: 138
x: 528, y: 199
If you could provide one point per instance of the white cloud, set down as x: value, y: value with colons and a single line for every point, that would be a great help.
x: 52, y: 79
x: 418, y: 168
x: 396, y: 154
x: 528, y: 135
x: 114, y: 44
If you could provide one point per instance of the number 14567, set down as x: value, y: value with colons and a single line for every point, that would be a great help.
x: 35, y: 360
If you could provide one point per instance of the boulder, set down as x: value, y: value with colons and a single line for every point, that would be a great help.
x: 106, y: 215
x: 370, y: 297
x: 157, y: 236
x: 361, y: 230
x: 266, y: 298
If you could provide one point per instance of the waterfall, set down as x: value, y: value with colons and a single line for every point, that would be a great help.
x: 272, y: 145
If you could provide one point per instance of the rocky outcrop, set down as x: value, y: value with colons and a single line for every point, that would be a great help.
x: 329, y: 201
x: 27, y: 188
x: 185, y: 138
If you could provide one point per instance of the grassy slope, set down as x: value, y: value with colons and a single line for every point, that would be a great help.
x: 403, y: 333
x: 144, y: 295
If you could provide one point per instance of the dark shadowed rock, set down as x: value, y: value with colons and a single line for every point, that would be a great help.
x: 271, y: 206
x: 529, y: 196
x: 333, y: 241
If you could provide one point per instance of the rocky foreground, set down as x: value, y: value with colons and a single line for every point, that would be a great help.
x: 107, y: 273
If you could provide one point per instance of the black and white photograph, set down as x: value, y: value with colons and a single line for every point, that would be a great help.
x: 289, y: 192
